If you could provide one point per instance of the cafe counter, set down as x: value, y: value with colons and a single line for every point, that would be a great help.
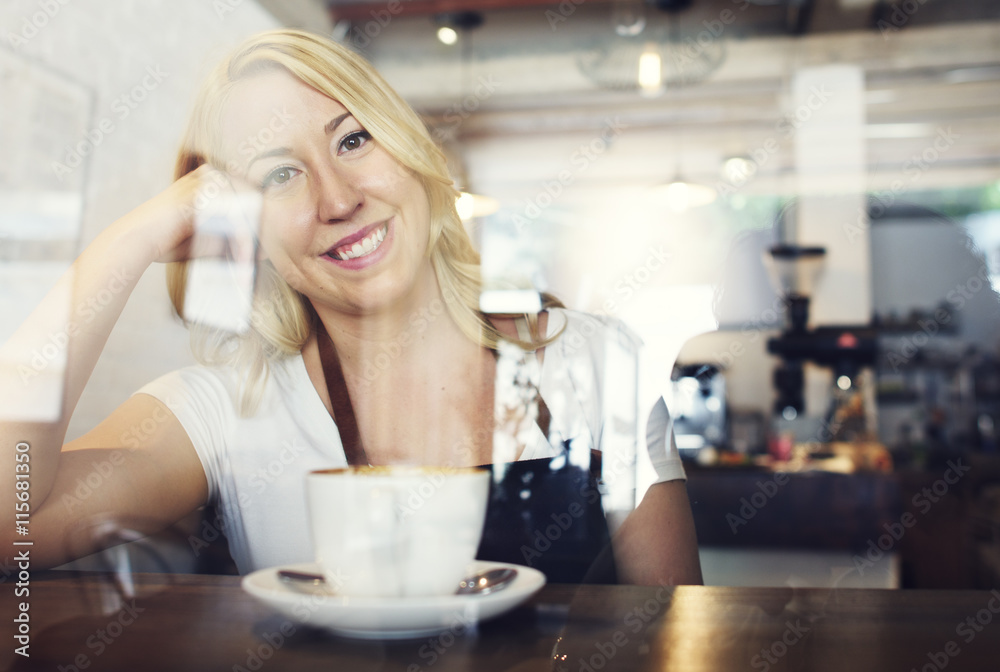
x: 199, y: 622
x: 943, y: 520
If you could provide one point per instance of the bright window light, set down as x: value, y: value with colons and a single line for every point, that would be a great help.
x: 470, y: 206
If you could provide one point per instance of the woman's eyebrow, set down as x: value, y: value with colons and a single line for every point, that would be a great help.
x: 277, y: 151
x: 332, y: 125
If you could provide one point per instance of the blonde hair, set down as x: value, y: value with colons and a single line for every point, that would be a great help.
x: 281, y: 318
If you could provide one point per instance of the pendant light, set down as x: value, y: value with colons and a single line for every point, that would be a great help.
x: 679, y: 194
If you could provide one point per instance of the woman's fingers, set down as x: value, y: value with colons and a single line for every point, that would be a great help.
x: 227, y: 218
x: 206, y: 213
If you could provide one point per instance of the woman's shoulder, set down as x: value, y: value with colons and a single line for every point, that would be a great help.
x: 221, y: 384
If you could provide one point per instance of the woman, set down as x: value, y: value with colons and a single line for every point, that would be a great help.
x: 360, y: 245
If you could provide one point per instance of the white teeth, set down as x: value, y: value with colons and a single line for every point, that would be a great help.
x: 363, y: 247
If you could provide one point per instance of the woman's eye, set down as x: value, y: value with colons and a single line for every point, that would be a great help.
x: 279, y: 176
x: 355, y: 141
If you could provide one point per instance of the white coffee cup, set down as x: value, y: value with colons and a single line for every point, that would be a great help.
x: 396, y: 531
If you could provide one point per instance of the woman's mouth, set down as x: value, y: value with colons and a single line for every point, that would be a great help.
x: 361, y: 248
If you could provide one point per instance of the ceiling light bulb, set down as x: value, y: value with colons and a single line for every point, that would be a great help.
x: 650, y: 71
x: 447, y: 35
x: 628, y: 17
x: 737, y: 169
x: 678, y: 196
x: 681, y: 196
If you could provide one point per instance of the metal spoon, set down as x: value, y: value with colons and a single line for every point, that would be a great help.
x: 486, y: 582
x: 482, y: 583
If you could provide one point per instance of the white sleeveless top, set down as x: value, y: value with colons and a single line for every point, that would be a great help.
x: 256, y: 466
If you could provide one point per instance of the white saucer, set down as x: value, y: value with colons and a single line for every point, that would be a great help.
x: 389, y: 617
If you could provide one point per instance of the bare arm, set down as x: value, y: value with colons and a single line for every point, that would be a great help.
x: 158, y: 230
x: 656, y: 545
x: 147, y: 488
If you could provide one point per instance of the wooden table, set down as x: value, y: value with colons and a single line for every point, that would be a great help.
x: 190, y: 623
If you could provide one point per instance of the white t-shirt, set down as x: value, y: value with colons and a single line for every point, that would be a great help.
x: 256, y: 465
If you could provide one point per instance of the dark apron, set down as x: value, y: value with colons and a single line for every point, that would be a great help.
x: 547, y: 514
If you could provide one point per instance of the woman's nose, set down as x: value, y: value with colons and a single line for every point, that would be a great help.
x: 337, y: 197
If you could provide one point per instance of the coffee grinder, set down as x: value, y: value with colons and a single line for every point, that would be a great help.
x: 794, y: 271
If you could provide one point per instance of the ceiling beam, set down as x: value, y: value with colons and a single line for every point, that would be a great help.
x: 354, y: 10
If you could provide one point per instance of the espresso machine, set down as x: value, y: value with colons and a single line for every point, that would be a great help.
x: 847, y: 350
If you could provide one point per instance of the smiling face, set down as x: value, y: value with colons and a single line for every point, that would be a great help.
x: 342, y: 221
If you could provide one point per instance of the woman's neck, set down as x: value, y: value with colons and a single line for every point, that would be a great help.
x: 411, y: 337
x: 420, y: 390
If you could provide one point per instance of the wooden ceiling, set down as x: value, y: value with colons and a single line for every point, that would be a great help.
x: 353, y: 10
x: 797, y: 16
x: 939, y: 69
